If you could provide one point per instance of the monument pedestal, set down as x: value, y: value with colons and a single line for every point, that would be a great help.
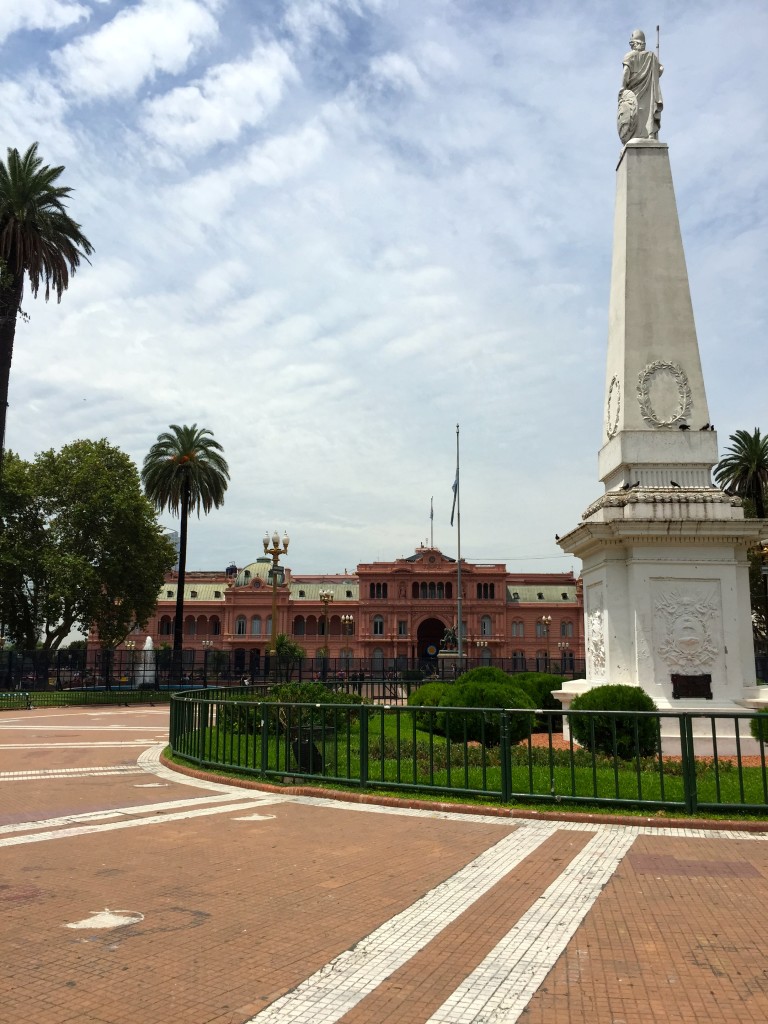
x: 452, y: 664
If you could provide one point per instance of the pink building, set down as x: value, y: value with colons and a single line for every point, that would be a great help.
x: 389, y: 613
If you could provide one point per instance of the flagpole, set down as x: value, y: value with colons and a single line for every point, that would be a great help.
x: 459, y: 631
x: 431, y: 522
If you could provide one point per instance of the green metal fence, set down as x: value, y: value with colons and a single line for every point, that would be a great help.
x: 16, y: 699
x: 700, y: 762
x: 76, y: 698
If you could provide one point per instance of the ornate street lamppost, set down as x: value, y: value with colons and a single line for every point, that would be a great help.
x: 347, y: 629
x: 563, y: 647
x: 546, y: 621
x: 326, y: 596
x: 480, y: 644
x: 206, y: 645
x: 277, y: 575
x: 130, y: 646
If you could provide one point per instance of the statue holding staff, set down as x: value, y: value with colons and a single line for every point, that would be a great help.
x: 640, y: 101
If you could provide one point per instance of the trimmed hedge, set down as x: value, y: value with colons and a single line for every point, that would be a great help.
x: 629, y: 736
x: 428, y: 696
x: 539, y: 685
x: 246, y: 720
x: 486, y: 674
x: 477, y: 725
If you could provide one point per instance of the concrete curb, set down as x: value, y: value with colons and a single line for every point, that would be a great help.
x: 497, y: 812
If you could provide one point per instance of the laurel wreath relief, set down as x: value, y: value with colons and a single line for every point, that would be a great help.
x: 685, y: 398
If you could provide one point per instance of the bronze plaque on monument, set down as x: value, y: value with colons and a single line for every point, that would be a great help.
x: 691, y: 686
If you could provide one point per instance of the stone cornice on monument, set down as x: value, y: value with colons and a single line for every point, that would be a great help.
x: 686, y: 502
x: 594, y: 535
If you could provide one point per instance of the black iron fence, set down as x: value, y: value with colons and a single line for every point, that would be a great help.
x: 138, y: 669
x: 677, y: 761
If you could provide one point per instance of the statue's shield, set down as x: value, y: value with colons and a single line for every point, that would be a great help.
x: 626, y: 120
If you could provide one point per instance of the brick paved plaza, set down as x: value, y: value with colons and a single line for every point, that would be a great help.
x: 133, y: 895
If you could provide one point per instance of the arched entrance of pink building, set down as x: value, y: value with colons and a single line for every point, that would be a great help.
x: 428, y: 637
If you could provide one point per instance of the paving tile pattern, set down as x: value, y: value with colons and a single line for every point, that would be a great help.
x: 681, y: 942
x: 256, y: 907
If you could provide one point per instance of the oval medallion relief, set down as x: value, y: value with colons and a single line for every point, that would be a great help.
x: 664, y: 394
x: 613, y: 407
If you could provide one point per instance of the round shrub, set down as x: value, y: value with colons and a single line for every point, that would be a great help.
x: 303, y: 693
x: 633, y: 736
x: 539, y: 687
x: 486, y: 674
x: 479, y: 725
x: 428, y: 696
x: 312, y: 693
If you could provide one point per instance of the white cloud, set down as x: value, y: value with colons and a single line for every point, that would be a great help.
x: 204, y: 201
x: 32, y: 110
x: 308, y: 19
x: 139, y: 42
x: 215, y: 109
x: 397, y: 70
x: 39, y: 14
x: 410, y: 226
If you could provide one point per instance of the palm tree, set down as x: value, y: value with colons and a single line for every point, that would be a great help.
x: 185, y: 470
x: 38, y: 239
x: 744, y: 468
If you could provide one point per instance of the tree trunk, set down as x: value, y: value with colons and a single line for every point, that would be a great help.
x: 178, y: 626
x: 10, y: 300
x: 759, y: 501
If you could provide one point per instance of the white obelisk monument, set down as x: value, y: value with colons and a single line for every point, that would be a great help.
x: 664, y: 552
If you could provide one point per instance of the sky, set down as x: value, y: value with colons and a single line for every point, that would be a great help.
x: 332, y: 230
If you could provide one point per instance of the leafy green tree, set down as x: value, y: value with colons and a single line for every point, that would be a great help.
x: 744, y: 471
x: 25, y: 555
x: 38, y: 239
x: 183, y: 471
x: 80, y: 546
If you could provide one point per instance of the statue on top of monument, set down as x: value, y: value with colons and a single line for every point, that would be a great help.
x: 640, y: 101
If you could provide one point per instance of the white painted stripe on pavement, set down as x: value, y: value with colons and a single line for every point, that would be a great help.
x: 500, y: 987
x: 133, y: 810
x: 113, y: 826
x: 82, y: 712
x: 33, y: 727
x: 332, y: 991
x: 70, y: 773
x: 106, y: 745
x: 100, y: 744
